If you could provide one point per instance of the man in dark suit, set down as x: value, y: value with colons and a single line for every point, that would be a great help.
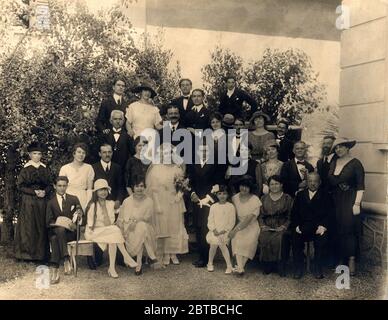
x: 61, y: 205
x: 309, y: 222
x: 116, y: 101
x: 284, y: 140
x: 119, y: 139
x: 323, y: 167
x: 202, y: 176
x: 184, y: 102
x: 234, y: 101
x: 294, y: 171
x: 172, y: 124
x: 198, y: 116
x: 111, y: 172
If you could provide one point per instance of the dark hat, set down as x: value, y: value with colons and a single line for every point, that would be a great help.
x: 344, y: 142
x: 35, y: 146
x: 260, y: 114
x: 145, y: 86
x: 228, y: 120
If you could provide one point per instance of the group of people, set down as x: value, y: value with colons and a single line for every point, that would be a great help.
x: 146, y: 208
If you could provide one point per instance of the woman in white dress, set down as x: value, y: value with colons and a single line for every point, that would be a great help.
x: 245, y: 234
x: 80, y: 175
x: 135, y: 222
x: 101, y: 229
x: 142, y: 114
x: 172, y: 237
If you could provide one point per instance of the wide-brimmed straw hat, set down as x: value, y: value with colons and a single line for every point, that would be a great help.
x: 344, y: 142
x: 145, y: 86
x: 101, y: 184
x: 63, y: 222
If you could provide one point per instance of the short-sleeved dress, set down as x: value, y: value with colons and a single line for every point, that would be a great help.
x: 345, y: 187
x: 142, y: 116
x: 274, y: 214
x: 143, y: 233
x: 79, y: 180
x: 31, y: 242
x: 221, y: 217
x: 258, y: 143
x: 244, y: 242
x: 103, y: 232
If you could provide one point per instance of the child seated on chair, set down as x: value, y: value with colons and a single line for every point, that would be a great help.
x: 222, y: 218
x: 62, y: 214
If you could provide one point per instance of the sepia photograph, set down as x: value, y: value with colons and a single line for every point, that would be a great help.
x: 165, y: 150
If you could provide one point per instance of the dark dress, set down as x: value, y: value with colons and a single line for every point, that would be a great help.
x: 344, y: 190
x: 134, y: 167
x: 274, y: 214
x: 31, y: 242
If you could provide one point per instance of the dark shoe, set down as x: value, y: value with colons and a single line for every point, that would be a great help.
x: 267, y: 268
x: 298, y: 274
x: 282, y: 269
x: 91, y: 263
x: 201, y: 264
x: 319, y: 276
x: 139, y: 272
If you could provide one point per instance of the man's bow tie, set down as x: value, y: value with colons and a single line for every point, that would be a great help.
x: 300, y: 162
x: 185, y: 98
x: 118, y: 132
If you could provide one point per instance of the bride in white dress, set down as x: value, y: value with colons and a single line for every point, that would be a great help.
x: 168, y: 220
x: 80, y: 175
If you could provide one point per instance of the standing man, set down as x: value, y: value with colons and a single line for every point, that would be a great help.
x: 184, y: 102
x: 286, y: 144
x: 203, y: 177
x: 119, y: 139
x: 172, y: 124
x: 198, y: 117
x: 323, y: 164
x: 116, y: 101
x: 309, y: 223
x: 294, y: 172
x: 234, y: 101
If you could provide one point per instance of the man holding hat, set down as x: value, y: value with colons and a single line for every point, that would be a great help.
x: 233, y: 101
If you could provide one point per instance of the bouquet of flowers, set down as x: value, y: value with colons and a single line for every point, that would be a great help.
x: 182, y: 185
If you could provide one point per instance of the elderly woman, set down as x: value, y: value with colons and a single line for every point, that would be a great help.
x: 135, y: 222
x: 34, y: 183
x: 246, y: 233
x: 136, y: 167
x: 101, y: 228
x: 274, y: 220
x: 80, y: 175
x: 346, y: 176
x: 272, y: 166
x: 259, y: 135
x: 143, y: 114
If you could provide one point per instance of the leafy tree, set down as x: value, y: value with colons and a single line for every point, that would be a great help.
x: 51, y: 86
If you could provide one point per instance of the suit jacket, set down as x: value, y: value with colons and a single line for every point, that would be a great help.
x: 309, y: 214
x: 122, y: 149
x: 115, y: 178
x: 285, y: 149
x: 323, y: 171
x: 198, y: 120
x: 233, y: 105
x: 182, y: 111
x: 203, y: 179
x: 107, y: 106
x: 169, y: 131
x: 53, y: 210
x: 291, y: 177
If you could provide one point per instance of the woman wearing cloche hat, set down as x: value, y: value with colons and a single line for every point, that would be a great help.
x: 101, y: 228
x: 143, y: 114
x: 346, y: 176
x: 259, y: 136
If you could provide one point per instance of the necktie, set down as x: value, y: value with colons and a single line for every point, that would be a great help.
x: 63, y: 202
x: 300, y: 162
x: 173, y: 128
x: 326, y: 160
x: 118, y: 101
x: 107, y: 168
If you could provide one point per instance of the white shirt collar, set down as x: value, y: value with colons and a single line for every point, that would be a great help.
x: 116, y: 130
x: 117, y: 97
x: 230, y: 92
x: 104, y: 164
x: 312, y: 194
x: 173, y: 125
x: 34, y: 164
x: 198, y: 108
x: 329, y: 157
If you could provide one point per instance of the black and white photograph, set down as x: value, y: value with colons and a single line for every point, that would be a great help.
x: 193, y: 150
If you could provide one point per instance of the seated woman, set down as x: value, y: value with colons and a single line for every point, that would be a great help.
x: 101, y: 229
x: 274, y: 220
x: 246, y: 233
x: 135, y: 220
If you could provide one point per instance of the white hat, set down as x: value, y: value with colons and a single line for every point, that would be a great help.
x: 63, y: 222
x: 101, y: 184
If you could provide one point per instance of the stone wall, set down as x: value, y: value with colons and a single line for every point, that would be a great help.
x: 364, y: 111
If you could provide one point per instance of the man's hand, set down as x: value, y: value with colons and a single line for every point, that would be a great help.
x: 321, y: 230
x: 356, y: 209
x: 106, y: 131
x: 281, y: 228
x: 40, y: 193
x: 298, y: 230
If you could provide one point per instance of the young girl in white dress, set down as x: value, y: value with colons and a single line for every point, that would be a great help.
x: 222, y: 218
